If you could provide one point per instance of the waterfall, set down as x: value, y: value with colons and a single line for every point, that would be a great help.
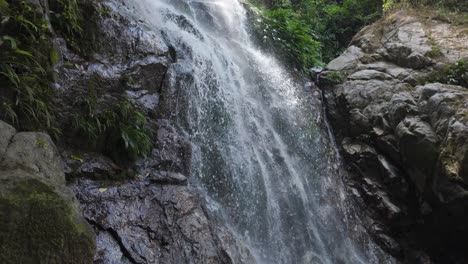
x: 260, y: 158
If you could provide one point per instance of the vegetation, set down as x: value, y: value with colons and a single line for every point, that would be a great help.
x: 26, y: 55
x: 456, y: 74
x: 334, y: 77
x: 67, y: 20
x: 27, y: 58
x: 290, y: 35
x: 308, y: 32
x: 120, y: 128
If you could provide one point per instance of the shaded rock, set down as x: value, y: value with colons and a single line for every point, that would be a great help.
x: 6, y: 134
x: 419, y: 150
x: 90, y: 165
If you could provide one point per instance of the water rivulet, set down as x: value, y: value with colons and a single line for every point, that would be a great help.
x: 260, y: 158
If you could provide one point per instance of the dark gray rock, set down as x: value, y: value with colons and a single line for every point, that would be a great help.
x: 142, y: 222
x: 419, y: 150
x: 90, y: 165
x: 172, y: 152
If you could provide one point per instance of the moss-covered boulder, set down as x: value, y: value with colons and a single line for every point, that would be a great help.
x: 39, y: 217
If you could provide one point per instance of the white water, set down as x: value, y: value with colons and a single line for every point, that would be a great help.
x: 259, y: 157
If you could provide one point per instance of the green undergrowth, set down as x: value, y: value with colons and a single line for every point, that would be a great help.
x: 26, y: 59
x: 283, y: 32
x: 311, y: 32
x: 455, y: 74
x: 120, y: 129
x: 67, y: 18
x: 334, y: 78
x: 76, y: 22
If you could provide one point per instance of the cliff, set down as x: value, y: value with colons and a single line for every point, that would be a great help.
x: 108, y: 79
x: 397, y: 100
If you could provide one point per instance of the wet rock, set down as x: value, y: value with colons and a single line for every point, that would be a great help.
x: 149, y: 101
x: 141, y: 222
x: 172, y: 152
x: 90, y: 165
x: 126, y: 59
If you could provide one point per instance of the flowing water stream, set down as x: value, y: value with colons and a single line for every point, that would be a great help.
x: 263, y: 163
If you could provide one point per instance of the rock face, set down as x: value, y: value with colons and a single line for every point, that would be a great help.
x: 147, y: 222
x: 39, y: 216
x: 143, y: 212
x: 405, y: 144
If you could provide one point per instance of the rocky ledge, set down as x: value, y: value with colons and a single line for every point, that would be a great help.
x: 404, y: 137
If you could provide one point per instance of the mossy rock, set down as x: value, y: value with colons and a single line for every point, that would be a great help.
x: 39, y: 226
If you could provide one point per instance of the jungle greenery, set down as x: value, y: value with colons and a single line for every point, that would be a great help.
x: 27, y: 58
x: 120, y: 128
x: 308, y: 33
x: 312, y: 32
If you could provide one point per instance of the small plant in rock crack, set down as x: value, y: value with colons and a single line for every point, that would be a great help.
x: 67, y: 19
x: 334, y: 78
x: 455, y: 74
x: 121, y: 129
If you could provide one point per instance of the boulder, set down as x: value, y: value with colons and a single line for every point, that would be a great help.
x: 39, y: 218
x: 348, y: 60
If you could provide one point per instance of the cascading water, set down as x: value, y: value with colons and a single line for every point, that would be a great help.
x: 259, y: 157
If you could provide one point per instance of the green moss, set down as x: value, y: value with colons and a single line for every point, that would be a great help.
x: 38, y: 226
x: 54, y: 56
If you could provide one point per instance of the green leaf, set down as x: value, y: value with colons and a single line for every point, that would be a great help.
x: 23, y: 52
x: 11, y: 40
